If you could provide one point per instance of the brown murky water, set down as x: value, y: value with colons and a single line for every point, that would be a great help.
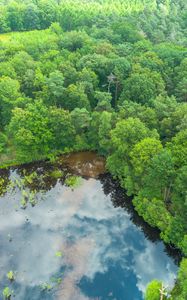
x: 87, y: 164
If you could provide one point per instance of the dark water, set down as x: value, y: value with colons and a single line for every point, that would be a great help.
x: 76, y: 243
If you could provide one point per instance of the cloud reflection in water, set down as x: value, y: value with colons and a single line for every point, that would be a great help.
x: 94, y: 237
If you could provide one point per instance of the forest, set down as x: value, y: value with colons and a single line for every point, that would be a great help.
x: 105, y: 76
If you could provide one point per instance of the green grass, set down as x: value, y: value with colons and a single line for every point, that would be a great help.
x: 5, y: 37
x: 18, y: 34
x: 56, y: 174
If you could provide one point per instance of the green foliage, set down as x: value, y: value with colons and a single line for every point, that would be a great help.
x: 127, y: 32
x: 81, y: 119
x: 10, y: 275
x: 73, y: 181
x: 18, y: 16
x: 37, y: 129
x: 123, y: 138
x: 153, y: 290
x: 9, y: 94
x: 141, y: 157
x: 178, y: 148
x: 106, y: 124
x: 184, y: 245
x: 142, y: 154
x: 46, y: 286
x: 180, y: 290
x: 7, y: 293
x: 103, y: 101
x: 153, y: 211
x: 3, y: 141
x: 142, y: 86
x: 75, y: 97
x: 56, y: 173
x: 55, y: 84
x: 182, y: 278
x: 99, y: 75
x: 2, y: 186
x: 58, y: 254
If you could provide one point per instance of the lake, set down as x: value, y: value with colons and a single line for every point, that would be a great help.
x: 76, y: 237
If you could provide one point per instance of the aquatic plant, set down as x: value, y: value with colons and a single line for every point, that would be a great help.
x: 52, y: 157
x: 23, y: 203
x: 30, y: 178
x: 25, y: 194
x: 10, y: 275
x: 6, y: 293
x: 56, y: 280
x: 16, y: 183
x: 56, y: 173
x: 73, y: 181
x: 32, y: 198
x: 58, y: 254
x: 28, y: 196
x: 54, y: 283
x: 46, y: 286
x: 21, y: 182
x: 24, y: 198
x: 2, y: 188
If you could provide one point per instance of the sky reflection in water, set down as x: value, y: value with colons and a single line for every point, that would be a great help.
x: 104, y: 255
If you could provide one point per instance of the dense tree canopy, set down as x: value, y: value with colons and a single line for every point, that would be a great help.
x: 108, y: 76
